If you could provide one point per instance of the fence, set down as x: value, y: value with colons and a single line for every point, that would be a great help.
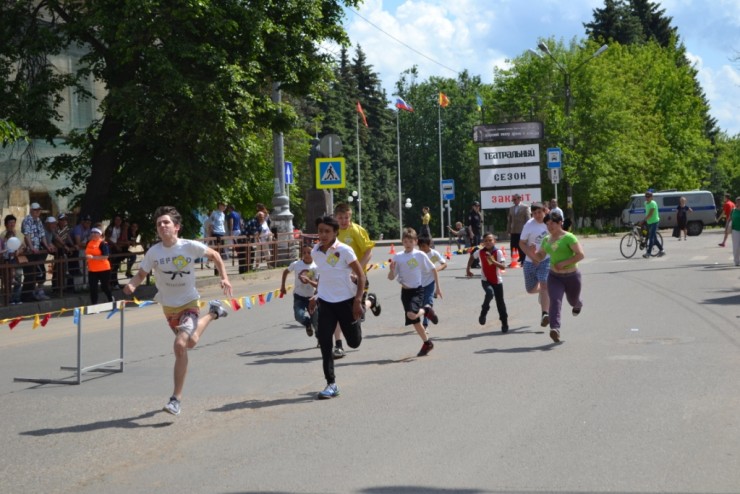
x: 68, y: 274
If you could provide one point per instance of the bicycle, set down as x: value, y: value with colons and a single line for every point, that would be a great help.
x: 636, y: 237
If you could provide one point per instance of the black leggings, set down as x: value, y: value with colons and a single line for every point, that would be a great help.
x: 93, y: 277
x: 331, y: 313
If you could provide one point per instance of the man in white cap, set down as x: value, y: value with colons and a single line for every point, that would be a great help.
x: 37, y: 248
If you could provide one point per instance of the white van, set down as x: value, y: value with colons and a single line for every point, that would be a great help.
x: 700, y: 201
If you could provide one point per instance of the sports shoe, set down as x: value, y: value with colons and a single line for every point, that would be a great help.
x: 330, y: 391
x: 722, y: 244
x: 430, y: 314
x: 173, y: 406
x: 555, y: 335
x: 338, y: 352
x: 504, y: 327
x: 545, y: 319
x: 309, y: 329
x: 646, y: 255
x: 426, y: 347
x: 216, y: 309
x: 661, y: 253
x: 374, y: 304
x: 482, y: 317
x: 577, y: 310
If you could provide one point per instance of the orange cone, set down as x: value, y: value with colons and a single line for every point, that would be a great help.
x: 448, y: 252
x: 514, y: 258
x: 393, y: 251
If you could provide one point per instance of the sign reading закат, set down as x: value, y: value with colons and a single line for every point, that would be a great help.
x: 509, y: 155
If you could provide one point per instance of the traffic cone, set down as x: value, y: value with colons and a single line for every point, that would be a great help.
x: 448, y: 252
x: 514, y: 258
x: 393, y: 251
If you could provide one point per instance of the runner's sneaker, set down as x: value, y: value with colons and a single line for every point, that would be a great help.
x: 309, y: 329
x: 426, y: 347
x: 577, y: 310
x: 173, y: 406
x: 504, y: 327
x: 545, y: 319
x: 555, y: 335
x: 430, y: 314
x: 330, y: 391
x: 374, y: 304
x: 661, y: 253
x: 482, y: 317
x: 216, y: 309
x: 338, y: 352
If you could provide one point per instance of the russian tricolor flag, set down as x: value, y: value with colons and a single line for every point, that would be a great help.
x: 402, y: 105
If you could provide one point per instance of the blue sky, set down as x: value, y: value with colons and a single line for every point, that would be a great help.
x: 479, y: 34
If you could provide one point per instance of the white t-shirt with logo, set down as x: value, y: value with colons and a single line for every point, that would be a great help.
x: 533, y: 233
x: 411, y: 267
x: 333, y: 267
x: 300, y: 267
x: 174, y: 271
x: 435, y: 257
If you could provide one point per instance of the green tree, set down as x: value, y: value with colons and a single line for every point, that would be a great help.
x: 188, y: 89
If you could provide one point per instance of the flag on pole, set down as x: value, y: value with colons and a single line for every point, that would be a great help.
x: 444, y: 101
x: 362, y: 114
x: 402, y: 105
x: 480, y: 102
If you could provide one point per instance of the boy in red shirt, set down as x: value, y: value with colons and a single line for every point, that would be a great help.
x: 492, y: 261
x: 727, y: 207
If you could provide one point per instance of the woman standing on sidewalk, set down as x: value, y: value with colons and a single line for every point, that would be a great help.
x: 98, y: 265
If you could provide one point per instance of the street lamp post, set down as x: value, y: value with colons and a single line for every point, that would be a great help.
x: 568, y: 103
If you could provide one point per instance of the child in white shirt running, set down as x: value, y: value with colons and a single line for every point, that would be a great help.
x: 409, y: 267
x: 425, y: 245
x: 306, y: 281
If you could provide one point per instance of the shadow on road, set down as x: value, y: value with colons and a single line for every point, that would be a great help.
x: 257, y: 404
x: 125, y: 423
x: 541, y: 348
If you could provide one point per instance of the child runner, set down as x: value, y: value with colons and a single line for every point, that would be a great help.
x: 565, y: 251
x: 356, y: 237
x: 409, y: 267
x: 428, y: 281
x: 492, y: 261
x: 173, y: 262
x: 535, y: 272
x: 339, y: 299
x: 305, y: 288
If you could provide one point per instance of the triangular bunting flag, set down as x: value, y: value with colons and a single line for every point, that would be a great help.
x: 45, y: 320
x: 248, y: 302
x: 15, y: 322
x: 36, y: 322
x: 76, y: 318
x: 261, y: 298
x: 235, y: 304
x: 269, y: 297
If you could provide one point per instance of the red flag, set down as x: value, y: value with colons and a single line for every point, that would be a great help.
x: 45, y: 320
x: 15, y: 322
x: 235, y: 304
x: 443, y: 100
x: 362, y: 113
x: 261, y: 298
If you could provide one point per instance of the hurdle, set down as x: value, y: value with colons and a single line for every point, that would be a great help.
x: 79, y: 369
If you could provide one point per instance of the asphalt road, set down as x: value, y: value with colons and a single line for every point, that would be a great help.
x: 641, y: 396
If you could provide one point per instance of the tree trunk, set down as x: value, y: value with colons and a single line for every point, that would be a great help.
x: 103, y: 166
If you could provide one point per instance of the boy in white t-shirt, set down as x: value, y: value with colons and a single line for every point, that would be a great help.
x: 338, y: 297
x: 306, y: 282
x: 410, y: 267
x: 173, y: 262
x: 440, y: 264
x: 536, y: 272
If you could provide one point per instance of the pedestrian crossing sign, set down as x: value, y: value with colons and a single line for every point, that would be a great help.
x: 330, y: 173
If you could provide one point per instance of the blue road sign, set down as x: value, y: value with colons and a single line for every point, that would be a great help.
x: 448, y: 189
x: 288, y: 173
x: 554, y: 157
x: 330, y: 173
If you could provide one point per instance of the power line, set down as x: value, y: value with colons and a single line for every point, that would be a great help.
x: 401, y: 42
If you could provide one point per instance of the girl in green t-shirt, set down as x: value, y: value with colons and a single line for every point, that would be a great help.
x: 564, y: 279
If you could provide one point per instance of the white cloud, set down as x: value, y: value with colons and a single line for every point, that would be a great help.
x: 479, y: 34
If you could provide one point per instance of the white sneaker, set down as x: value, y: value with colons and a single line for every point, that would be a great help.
x: 216, y: 309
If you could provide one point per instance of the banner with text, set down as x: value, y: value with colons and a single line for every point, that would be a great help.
x: 509, y: 155
x: 500, y: 199
x: 509, y: 176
